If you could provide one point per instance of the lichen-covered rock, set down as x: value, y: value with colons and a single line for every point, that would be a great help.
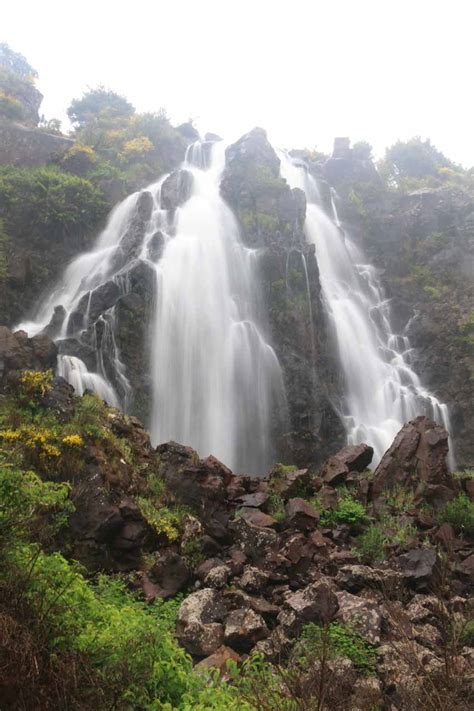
x: 315, y: 603
x: 364, y: 616
x: 198, y: 622
x: 253, y: 580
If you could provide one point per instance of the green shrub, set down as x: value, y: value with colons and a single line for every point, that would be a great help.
x: 460, y: 514
x: 48, y: 202
x: 344, y: 642
x: 10, y: 107
x: 370, y: 545
x: 348, y: 510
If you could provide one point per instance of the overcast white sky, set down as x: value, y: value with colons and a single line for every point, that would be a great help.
x: 306, y: 70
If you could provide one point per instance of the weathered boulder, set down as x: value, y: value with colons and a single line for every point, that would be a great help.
x: 416, y: 460
x: 419, y: 565
x: 170, y: 572
x: 102, y: 298
x: 301, y: 515
x: 244, y: 628
x: 253, y: 580
x: 352, y: 458
x: 198, y: 622
x: 355, y: 578
x: 253, y: 540
x: 256, y: 517
x: 315, y: 603
x: 362, y: 615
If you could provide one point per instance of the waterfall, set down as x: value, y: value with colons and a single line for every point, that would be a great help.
x: 217, y: 382
x: 382, y: 390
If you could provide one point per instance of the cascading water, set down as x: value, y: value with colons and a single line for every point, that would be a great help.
x: 217, y: 382
x: 382, y: 391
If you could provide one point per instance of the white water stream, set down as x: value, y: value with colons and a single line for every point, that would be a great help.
x: 381, y: 389
x: 217, y: 384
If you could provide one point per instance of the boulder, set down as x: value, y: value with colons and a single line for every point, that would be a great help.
x: 17, y: 351
x: 57, y: 319
x: 102, y: 298
x: 301, y: 515
x: 257, y: 500
x: 253, y: 540
x: 244, y: 628
x: 357, y: 577
x: 217, y: 577
x: 419, y: 565
x: 364, y: 616
x: 315, y: 603
x: 256, y: 517
x: 253, y: 580
x: 170, y: 572
x: 416, y: 460
x: 352, y: 458
x: 198, y: 622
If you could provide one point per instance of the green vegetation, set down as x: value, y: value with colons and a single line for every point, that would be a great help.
x: 343, y: 642
x: 348, y: 510
x: 370, y: 545
x: 415, y: 158
x: 460, y: 514
x: 48, y: 202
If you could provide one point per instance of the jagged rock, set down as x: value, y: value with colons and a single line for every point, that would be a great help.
x: 253, y: 540
x: 102, y: 298
x: 193, y: 483
x: 253, y: 580
x: 131, y: 241
x: 357, y: 577
x: 416, y: 460
x: 364, y: 616
x: 198, y: 622
x: 78, y: 349
x: 256, y: 517
x: 315, y: 603
x: 466, y: 568
x: 276, y: 646
x: 188, y: 131
x: 419, y: 565
x: 218, y: 660
x: 301, y: 515
x: 17, y: 351
x: 170, y: 572
x: 57, y: 319
x: 235, y: 598
x: 290, y: 484
x: 244, y: 628
x: 257, y: 500
x: 176, y: 189
x: 352, y: 458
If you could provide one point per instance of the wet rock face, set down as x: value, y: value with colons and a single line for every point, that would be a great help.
x: 271, y: 217
x: 176, y: 189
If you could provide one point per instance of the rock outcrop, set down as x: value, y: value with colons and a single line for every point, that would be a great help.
x: 271, y: 217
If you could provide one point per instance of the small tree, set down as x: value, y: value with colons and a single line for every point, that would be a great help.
x: 362, y: 150
x: 16, y: 63
x: 99, y: 104
x: 415, y: 159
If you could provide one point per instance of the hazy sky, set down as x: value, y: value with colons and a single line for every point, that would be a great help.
x: 306, y: 70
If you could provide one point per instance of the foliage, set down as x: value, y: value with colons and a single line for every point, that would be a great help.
x: 348, y: 510
x: 276, y: 506
x: 100, y: 103
x: 10, y: 107
x: 344, y: 642
x: 460, y: 514
x: 136, y: 147
x: 79, y: 159
x: 362, y: 150
x: 29, y: 507
x: 48, y: 202
x: 370, y: 545
x: 16, y: 63
x: 400, y: 498
x: 415, y: 159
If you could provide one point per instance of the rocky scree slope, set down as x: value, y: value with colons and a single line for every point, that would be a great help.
x: 382, y: 558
